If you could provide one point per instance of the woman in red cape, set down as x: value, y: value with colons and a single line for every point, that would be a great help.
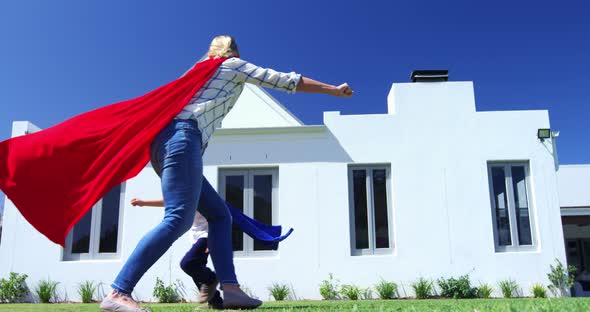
x: 72, y: 165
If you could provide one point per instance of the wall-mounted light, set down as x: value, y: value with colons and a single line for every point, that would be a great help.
x: 543, y: 134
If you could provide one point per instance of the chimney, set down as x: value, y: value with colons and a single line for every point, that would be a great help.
x: 429, y: 75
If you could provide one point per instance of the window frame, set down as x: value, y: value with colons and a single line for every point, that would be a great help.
x: 248, y: 173
x: 511, y: 206
x: 372, y: 250
x: 95, y: 228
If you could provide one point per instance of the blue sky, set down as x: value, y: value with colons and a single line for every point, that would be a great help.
x: 62, y: 58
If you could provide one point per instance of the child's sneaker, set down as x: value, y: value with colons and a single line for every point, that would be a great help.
x: 215, y: 306
x: 207, y: 291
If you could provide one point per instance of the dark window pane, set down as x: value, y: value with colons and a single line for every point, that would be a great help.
x: 501, y: 209
x: 521, y: 205
x: 262, y: 204
x: 109, y: 222
x: 81, y: 234
x: 380, y: 208
x: 361, y: 227
x: 234, y: 194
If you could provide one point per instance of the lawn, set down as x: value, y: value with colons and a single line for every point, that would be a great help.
x: 471, y: 305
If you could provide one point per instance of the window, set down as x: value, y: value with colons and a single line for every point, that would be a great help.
x: 510, y: 192
x: 97, y: 234
x: 370, y: 212
x: 254, y: 192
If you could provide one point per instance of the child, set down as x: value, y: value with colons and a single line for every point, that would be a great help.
x: 194, y: 262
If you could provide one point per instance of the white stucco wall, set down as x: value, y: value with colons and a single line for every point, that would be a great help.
x: 574, y: 190
x: 257, y: 108
x: 437, y: 146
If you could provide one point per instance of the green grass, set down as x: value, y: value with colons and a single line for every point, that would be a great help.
x: 471, y: 305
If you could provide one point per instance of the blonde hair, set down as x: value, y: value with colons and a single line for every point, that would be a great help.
x: 223, y: 46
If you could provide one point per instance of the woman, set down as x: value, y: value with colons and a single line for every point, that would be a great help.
x: 177, y: 157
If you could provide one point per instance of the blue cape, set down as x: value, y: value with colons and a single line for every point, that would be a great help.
x: 269, y: 235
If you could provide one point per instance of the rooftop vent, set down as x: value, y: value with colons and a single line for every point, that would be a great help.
x: 430, y: 75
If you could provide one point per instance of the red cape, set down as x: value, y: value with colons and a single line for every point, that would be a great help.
x: 56, y: 175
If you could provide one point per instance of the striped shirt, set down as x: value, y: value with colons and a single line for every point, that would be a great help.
x: 217, y: 97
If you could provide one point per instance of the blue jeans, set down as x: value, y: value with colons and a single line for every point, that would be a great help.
x: 176, y: 157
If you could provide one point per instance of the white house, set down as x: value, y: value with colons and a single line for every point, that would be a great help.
x: 432, y: 188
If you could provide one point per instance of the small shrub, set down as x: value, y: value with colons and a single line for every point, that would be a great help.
x: 509, y: 288
x: 539, y: 291
x: 329, y: 288
x: 423, y: 288
x: 561, y: 279
x: 386, y: 290
x: 14, y: 289
x: 166, y: 294
x: 456, y: 288
x: 279, y: 291
x: 46, y: 290
x: 351, y: 292
x: 86, y: 291
x: 484, y: 291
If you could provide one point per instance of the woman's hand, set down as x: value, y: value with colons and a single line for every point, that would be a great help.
x: 344, y: 90
x: 137, y: 202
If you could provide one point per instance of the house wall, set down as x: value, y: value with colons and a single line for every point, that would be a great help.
x: 437, y: 147
x: 573, y: 186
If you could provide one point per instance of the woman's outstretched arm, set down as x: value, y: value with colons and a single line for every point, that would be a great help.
x: 314, y: 86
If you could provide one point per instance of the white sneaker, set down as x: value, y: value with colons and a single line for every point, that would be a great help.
x: 111, y: 305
